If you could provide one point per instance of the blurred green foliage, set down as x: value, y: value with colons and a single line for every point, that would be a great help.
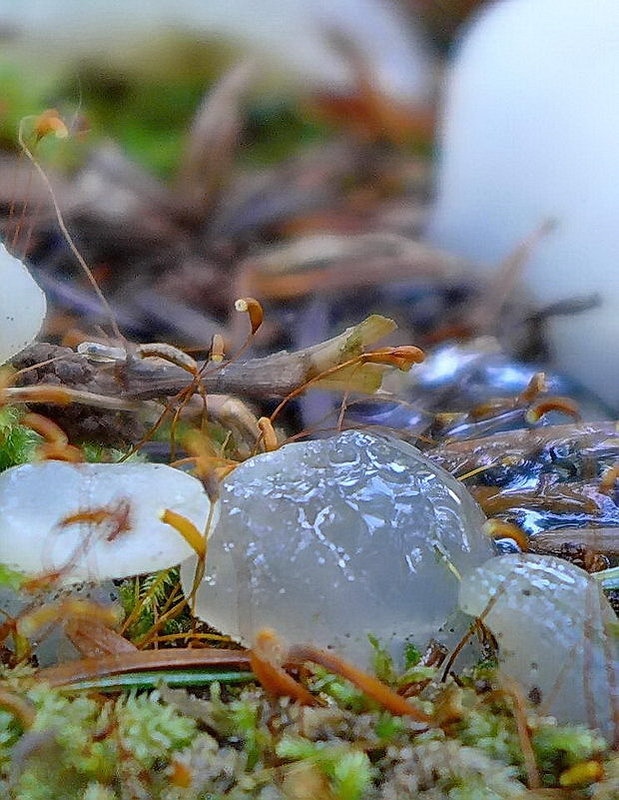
x: 146, y: 105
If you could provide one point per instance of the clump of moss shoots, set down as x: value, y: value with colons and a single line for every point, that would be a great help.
x: 239, y: 743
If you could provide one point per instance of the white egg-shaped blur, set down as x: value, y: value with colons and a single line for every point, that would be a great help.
x: 529, y: 133
x: 95, y: 521
x: 22, y: 306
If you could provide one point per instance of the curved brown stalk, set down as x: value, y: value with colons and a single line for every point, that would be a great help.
x: 120, y: 663
x: 375, y: 689
x: 264, y: 659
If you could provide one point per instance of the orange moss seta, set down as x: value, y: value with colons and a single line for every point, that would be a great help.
x: 375, y: 689
x: 253, y: 309
x: 187, y: 530
x: 501, y: 529
x: 268, y: 435
x: 277, y: 682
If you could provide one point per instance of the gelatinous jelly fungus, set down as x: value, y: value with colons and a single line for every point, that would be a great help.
x: 557, y: 634
x: 329, y: 540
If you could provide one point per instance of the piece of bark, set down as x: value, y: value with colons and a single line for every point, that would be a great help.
x: 53, y: 366
x: 274, y: 376
x: 104, y: 404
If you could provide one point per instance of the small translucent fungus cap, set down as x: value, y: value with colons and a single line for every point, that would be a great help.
x: 95, y: 521
x: 22, y: 306
x: 327, y: 541
x: 557, y: 634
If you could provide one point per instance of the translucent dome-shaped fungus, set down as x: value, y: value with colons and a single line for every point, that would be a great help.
x: 95, y: 521
x: 22, y: 306
x: 329, y: 540
x: 556, y: 631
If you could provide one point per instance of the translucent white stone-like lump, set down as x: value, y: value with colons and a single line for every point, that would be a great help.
x: 328, y: 540
x: 556, y: 631
x: 120, y: 533
x: 22, y: 306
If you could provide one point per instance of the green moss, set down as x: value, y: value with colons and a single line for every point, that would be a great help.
x: 151, y: 594
x: 239, y: 720
x: 25, y: 91
x: 242, y: 745
x: 559, y: 747
x: 412, y: 655
x: 492, y: 732
x: 9, y: 579
x: 387, y: 671
x: 78, y: 743
x: 382, y: 662
x: 348, y: 771
x: 275, y: 129
x: 388, y: 727
x: 339, y: 689
x: 97, y: 453
x: 151, y: 730
x: 17, y: 444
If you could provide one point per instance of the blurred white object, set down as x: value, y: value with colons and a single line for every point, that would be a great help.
x: 118, y: 532
x: 557, y: 634
x: 531, y: 132
x: 22, y: 306
x: 290, y: 34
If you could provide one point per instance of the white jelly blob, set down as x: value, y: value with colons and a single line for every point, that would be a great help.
x: 329, y: 540
x: 557, y: 634
x: 529, y: 134
x: 22, y: 306
x: 120, y: 533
